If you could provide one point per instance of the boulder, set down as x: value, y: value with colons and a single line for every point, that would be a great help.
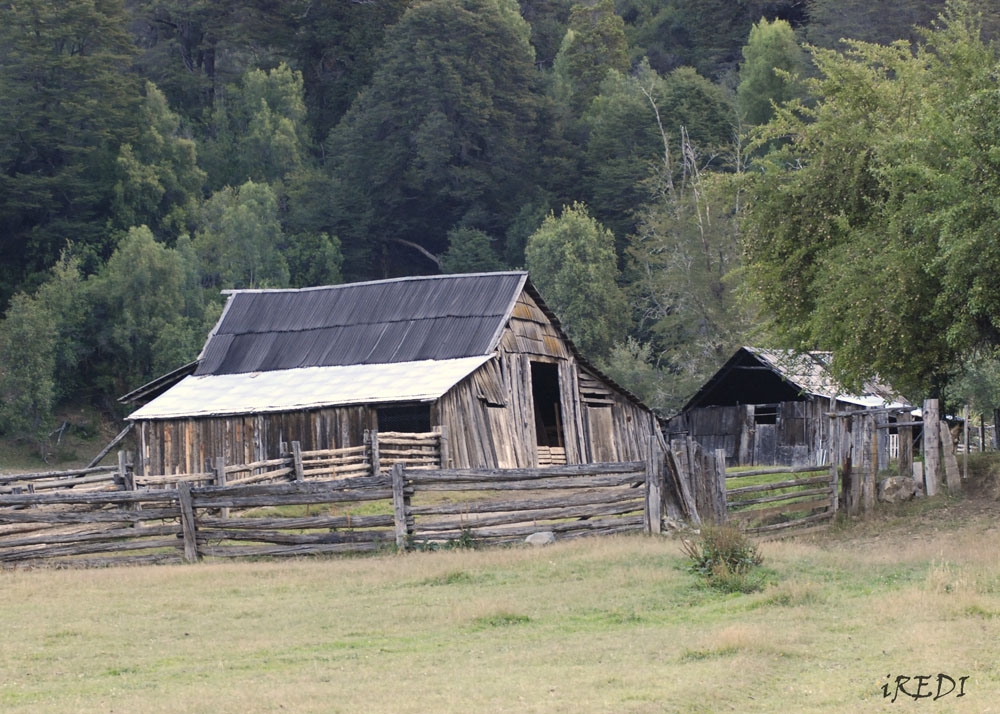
x: 896, y: 489
x: 541, y: 538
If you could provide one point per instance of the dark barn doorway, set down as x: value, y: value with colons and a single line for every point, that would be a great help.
x: 545, y: 396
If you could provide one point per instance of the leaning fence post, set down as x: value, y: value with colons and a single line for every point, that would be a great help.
x: 188, y: 530
x: 399, y: 505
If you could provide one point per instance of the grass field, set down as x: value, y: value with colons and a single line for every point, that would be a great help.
x: 595, y: 625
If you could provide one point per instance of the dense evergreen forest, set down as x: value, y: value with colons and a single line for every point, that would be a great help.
x: 680, y: 176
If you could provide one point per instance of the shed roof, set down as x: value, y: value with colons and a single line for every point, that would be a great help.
x: 437, y: 317
x: 309, y: 388
x: 807, y: 373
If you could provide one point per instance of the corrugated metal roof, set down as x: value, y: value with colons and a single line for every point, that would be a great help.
x: 809, y: 371
x: 309, y: 388
x: 386, y: 321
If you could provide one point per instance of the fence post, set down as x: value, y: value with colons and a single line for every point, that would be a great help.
x: 654, y: 488
x: 187, y: 521
x: 881, y: 442
x: 932, y: 443
x: 220, y: 480
x: 443, y: 447
x: 871, y: 443
x: 376, y: 458
x: 297, y: 460
x: 127, y: 477
x: 965, y: 442
x: 719, y: 487
x: 905, y: 436
x: 834, y: 488
x: 400, y: 505
x: 952, y: 476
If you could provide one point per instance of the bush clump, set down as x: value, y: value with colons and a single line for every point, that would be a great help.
x: 726, y: 558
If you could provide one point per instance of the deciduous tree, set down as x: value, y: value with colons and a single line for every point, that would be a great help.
x: 572, y: 262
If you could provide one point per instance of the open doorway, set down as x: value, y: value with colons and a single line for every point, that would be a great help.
x: 545, y: 395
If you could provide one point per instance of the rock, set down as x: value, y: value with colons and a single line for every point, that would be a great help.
x: 541, y: 538
x: 896, y: 489
x: 672, y: 524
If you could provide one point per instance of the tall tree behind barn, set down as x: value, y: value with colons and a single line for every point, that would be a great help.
x: 477, y: 357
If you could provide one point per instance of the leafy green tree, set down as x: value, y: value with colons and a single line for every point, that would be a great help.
x: 830, y: 21
x: 631, y: 364
x: 594, y: 45
x: 549, y: 20
x: 313, y: 259
x: 685, y: 263
x: 469, y: 251
x: 240, y: 237
x: 259, y: 132
x: 27, y: 367
x: 66, y: 301
x: 192, y: 49
x: 625, y: 147
x: 871, y: 227
x: 772, y: 61
x: 334, y: 45
x: 159, y: 183
x: 142, y: 327
x: 572, y: 262
x: 704, y: 34
x: 68, y: 104
x: 976, y: 382
x: 443, y: 136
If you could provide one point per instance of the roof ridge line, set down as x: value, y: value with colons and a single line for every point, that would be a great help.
x: 383, y: 281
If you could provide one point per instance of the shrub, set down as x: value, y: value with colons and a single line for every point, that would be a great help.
x: 726, y: 558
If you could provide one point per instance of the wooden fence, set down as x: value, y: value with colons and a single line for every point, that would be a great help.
x: 171, y: 522
x: 792, y: 503
x: 798, y: 502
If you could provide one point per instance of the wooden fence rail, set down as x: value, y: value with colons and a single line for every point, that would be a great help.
x: 188, y: 522
x: 815, y: 496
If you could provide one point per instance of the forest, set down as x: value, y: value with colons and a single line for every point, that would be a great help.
x: 680, y: 177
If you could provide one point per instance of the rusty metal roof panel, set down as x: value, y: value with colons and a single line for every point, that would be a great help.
x: 401, y: 320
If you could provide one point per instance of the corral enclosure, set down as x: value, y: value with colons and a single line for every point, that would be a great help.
x: 325, y: 501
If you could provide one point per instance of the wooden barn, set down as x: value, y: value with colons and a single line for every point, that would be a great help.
x: 770, y: 407
x: 477, y: 359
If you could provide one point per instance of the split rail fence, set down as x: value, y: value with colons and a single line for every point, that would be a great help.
x: 802, y: 501
x: 399, y: 506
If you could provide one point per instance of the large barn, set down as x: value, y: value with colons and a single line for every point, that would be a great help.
x: 477, y: 357
x: 770, y: 407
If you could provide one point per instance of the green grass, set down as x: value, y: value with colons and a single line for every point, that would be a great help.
x: 593, y: 625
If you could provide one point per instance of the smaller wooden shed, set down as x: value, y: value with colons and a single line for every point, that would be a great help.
x: 477, y: 359
x: 770, y: 407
